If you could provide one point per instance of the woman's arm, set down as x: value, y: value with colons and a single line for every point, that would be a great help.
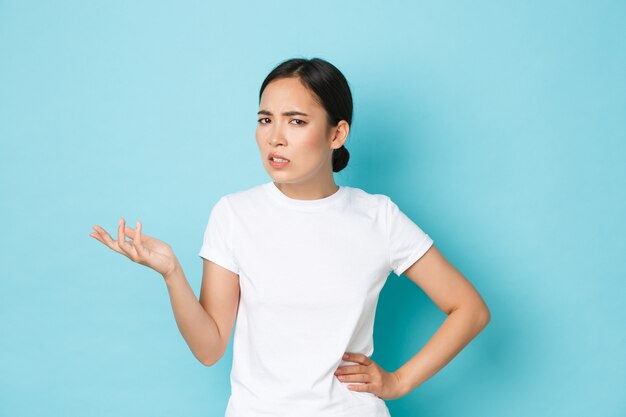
x: 200, y: 322
x: 467, y: 316
x: 206, y: 324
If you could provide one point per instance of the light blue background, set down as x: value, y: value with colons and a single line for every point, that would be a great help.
x: 498, y: 127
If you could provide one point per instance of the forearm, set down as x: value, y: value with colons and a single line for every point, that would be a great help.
x: 196, y: 325
x: 459, y: 328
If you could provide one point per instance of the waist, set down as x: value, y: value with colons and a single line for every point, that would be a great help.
x: 326, y: 399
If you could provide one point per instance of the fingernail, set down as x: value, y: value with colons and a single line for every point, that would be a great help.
x: 345, y: 356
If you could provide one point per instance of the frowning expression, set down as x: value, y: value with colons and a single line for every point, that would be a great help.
x: 293, y: 125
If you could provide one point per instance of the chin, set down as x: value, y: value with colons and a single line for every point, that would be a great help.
x: 276, y: 177
x: 282, y: 179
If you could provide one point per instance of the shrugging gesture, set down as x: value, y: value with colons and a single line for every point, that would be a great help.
x: 143, y: 249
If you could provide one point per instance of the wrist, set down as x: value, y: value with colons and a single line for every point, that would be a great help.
x: 172, y: 274
x: 403, y: 386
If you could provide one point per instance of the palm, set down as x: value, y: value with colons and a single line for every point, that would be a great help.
x: 143, y: 249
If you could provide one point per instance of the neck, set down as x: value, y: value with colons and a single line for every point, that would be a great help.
x: 308, y: 190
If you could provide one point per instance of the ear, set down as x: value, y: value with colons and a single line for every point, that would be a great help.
x: 340, y: 134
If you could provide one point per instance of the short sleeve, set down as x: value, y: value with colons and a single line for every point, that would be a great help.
x: 218, y: 237
x: 407, y: 242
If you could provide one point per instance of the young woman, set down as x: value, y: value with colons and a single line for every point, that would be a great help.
x: 299, y: 262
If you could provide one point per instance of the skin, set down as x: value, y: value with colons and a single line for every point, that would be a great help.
x: 308, y: 142
x: 467, y: 314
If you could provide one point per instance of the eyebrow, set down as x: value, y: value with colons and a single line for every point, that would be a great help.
x: 287, y: 113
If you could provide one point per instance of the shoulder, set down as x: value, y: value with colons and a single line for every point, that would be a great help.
x: 361, y: 200
x: 364, y: 197
x: 244, y: 196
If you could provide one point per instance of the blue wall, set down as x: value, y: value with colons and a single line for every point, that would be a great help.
x: 498, y: 128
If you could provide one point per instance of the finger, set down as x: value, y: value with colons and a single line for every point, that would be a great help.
x: 105, y: 238
x: 120, y: 232
x: 121, y: 238
x: 357, y: 357
x: 350, y: 369
x: 95, y: 236
x: 138, y: 239
x: 360, y: 372
x: 101, y: 232
x: 130, y: 232
x: 355, y: 377
x: 138, y: 232
x: 367, y: 360
x: 359, y: 387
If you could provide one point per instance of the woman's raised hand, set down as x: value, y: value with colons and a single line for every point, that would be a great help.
x: 143, y: 249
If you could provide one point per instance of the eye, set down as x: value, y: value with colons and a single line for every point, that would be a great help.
x: 262, y: 119
x: 302, y: 122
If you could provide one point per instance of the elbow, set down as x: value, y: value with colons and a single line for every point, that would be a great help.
x: 209, y: 360
x: 477, y: 313
x: 480, y: 312
x: 482, y: 315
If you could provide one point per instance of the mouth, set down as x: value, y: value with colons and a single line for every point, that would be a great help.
x: 277, y: 158
x: 277, y: 161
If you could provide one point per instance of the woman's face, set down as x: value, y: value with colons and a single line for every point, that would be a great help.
x: 295, y: 126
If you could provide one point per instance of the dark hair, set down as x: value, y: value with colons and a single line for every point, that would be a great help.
x: 330, y: 87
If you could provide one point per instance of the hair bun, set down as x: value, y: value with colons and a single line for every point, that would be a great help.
x: 340, y: 158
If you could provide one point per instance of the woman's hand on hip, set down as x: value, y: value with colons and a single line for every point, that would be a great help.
x: 143, y: 249
x: 376, y: 380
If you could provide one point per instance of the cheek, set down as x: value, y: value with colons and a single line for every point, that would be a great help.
x: 259, y: 137
x: 312, y: 141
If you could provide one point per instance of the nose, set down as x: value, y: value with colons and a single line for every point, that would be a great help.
x: 276, y: 136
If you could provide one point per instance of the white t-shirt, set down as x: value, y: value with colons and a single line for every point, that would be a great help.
x: 310, y: 273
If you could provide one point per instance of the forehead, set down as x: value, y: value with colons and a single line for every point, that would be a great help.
x: 288, y: 93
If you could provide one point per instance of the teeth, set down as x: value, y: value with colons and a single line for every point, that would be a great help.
x: 279, y: 160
